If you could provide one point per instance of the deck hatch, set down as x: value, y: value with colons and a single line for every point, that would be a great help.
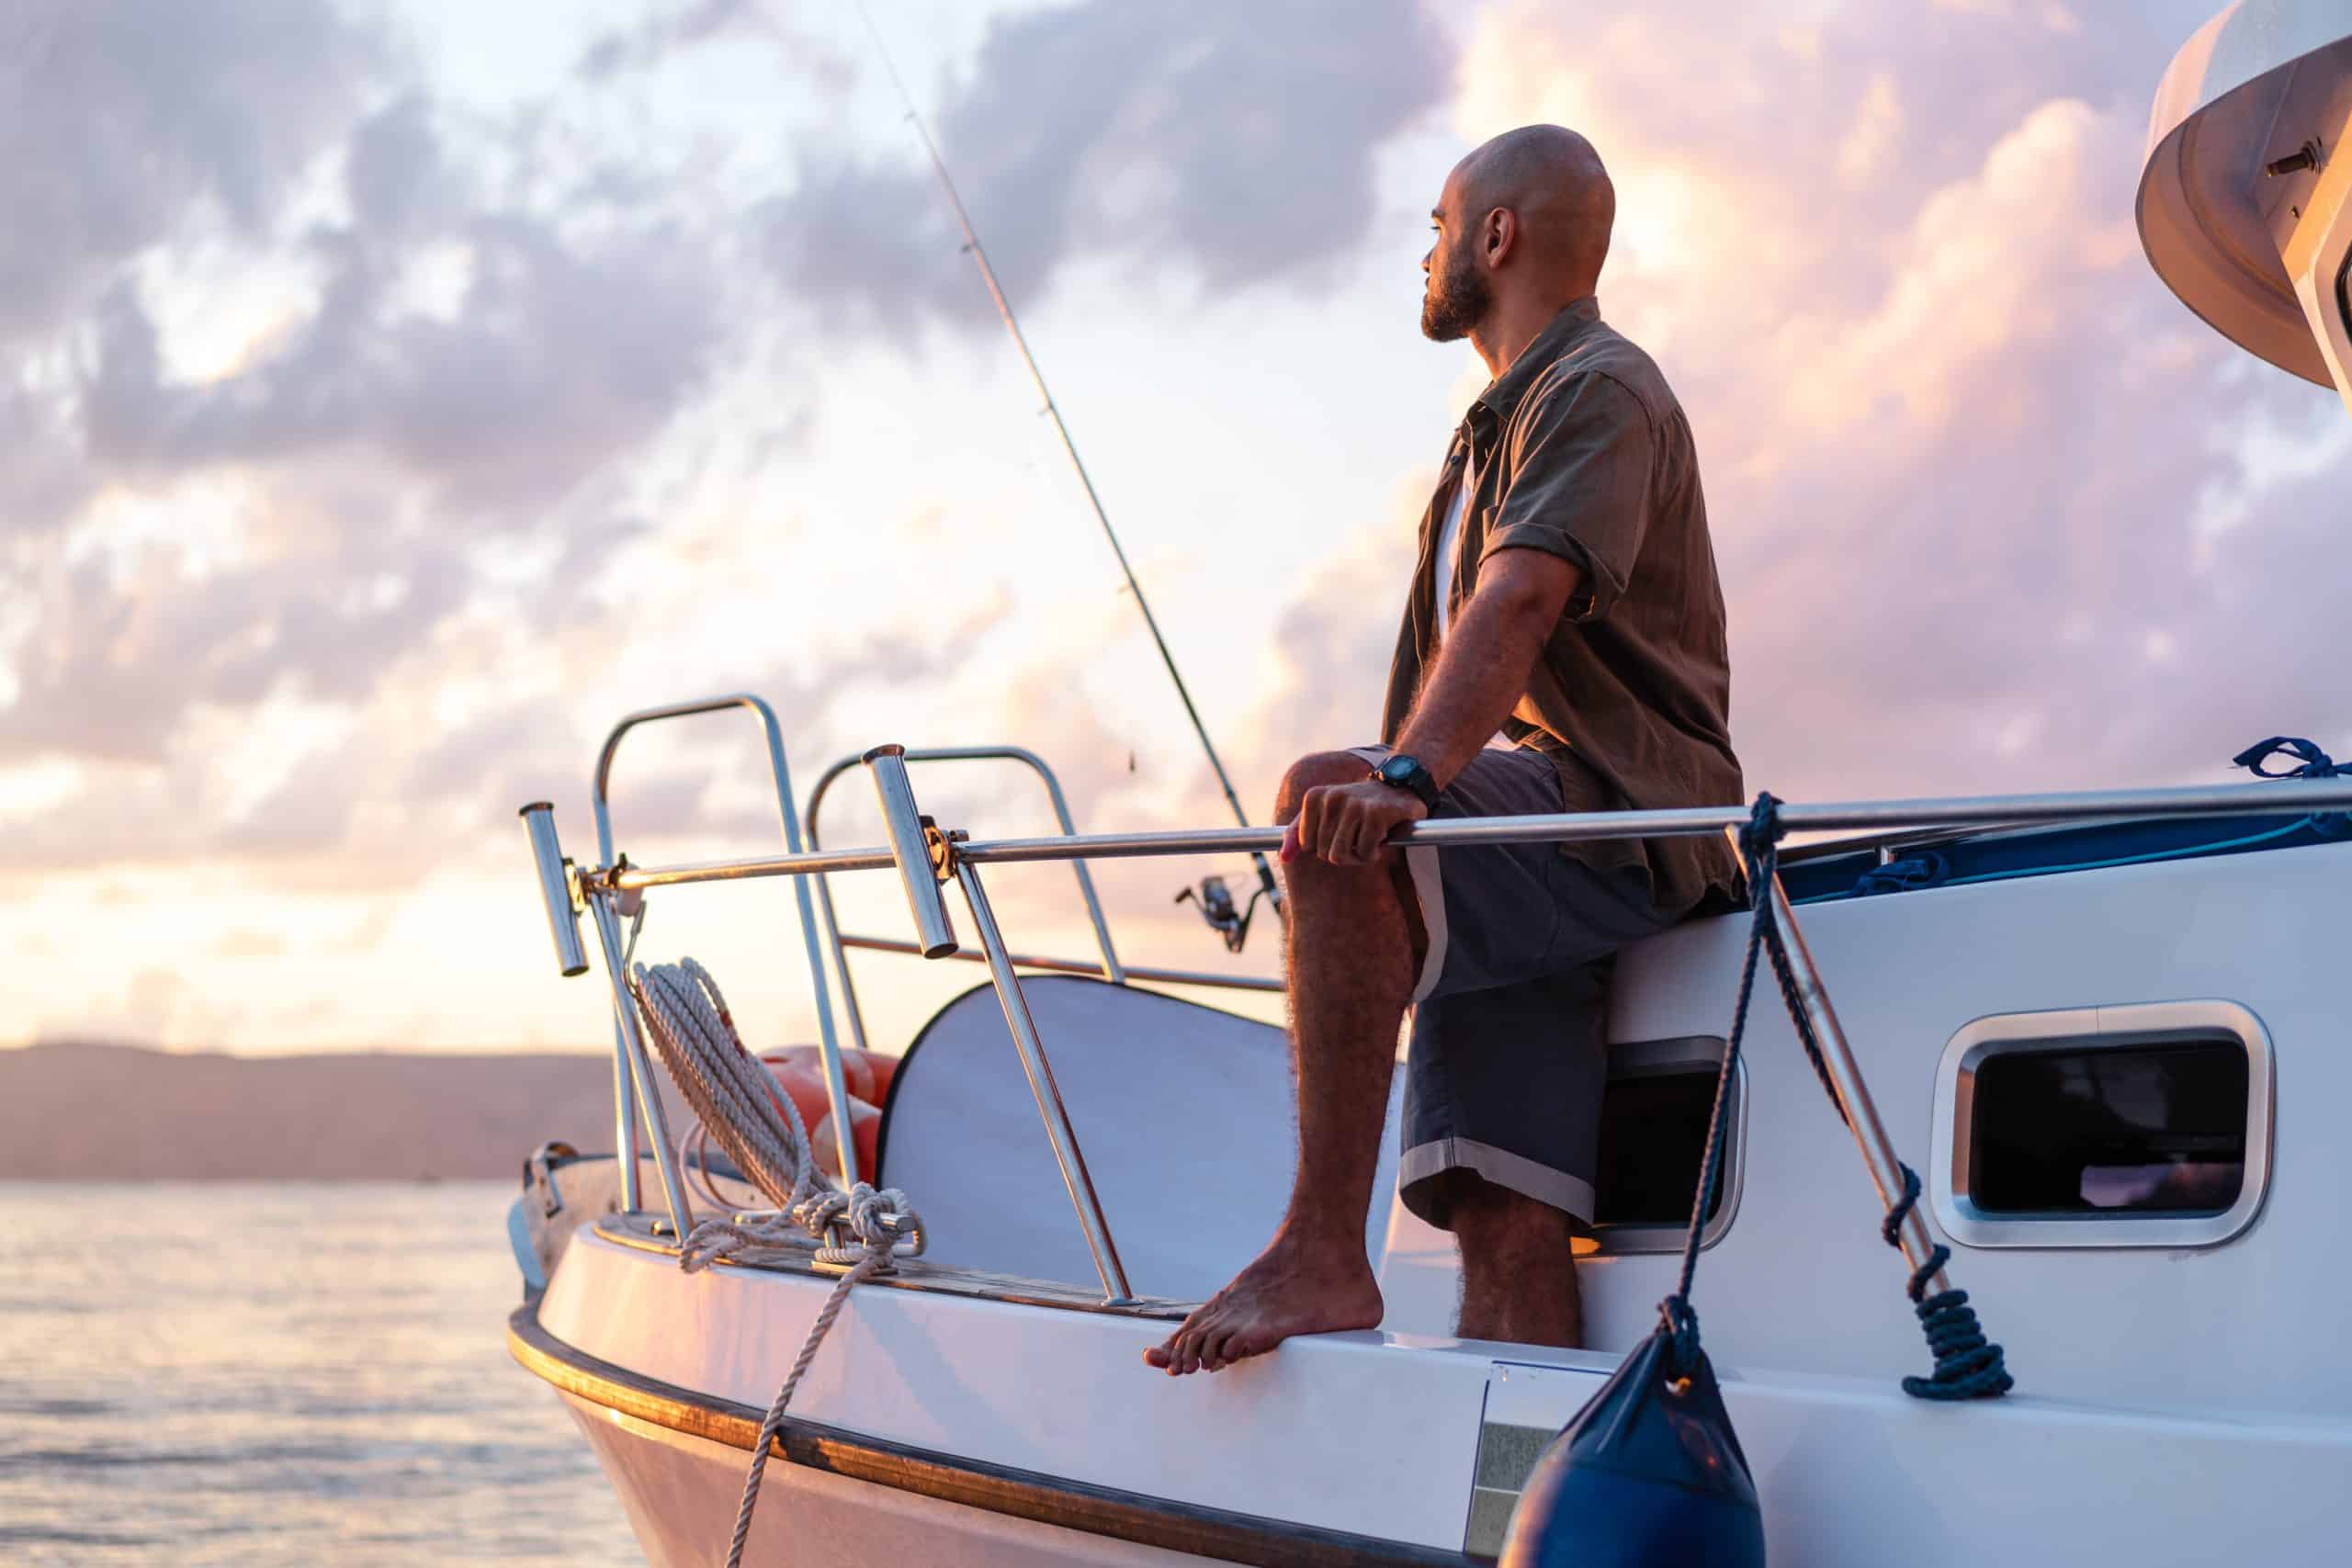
x: 2146, y: 1125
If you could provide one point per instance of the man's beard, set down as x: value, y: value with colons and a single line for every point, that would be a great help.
x: 1455, y: 302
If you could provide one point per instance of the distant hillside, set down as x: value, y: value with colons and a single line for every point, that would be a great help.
x: 84, y: 1112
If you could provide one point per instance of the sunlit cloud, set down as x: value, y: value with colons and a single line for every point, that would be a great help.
x: 409, y: 390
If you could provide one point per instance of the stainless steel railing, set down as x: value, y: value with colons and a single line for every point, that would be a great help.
x: 632, y: 1071
x: 2207, y: 800
x: 1110, y: 969
x: 926, y: 856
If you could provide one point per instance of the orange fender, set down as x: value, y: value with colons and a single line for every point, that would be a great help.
x: 864, y: 1131
x: 806, y: 1092
x: 865, y: 1074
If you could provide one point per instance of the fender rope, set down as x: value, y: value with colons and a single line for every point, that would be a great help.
x: 1966, y: 1365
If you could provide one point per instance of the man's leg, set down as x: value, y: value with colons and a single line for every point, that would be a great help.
x: 1352, y: 960
x: 1519, y: 1278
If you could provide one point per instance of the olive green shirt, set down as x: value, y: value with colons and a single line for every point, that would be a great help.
x: 1580, y: 450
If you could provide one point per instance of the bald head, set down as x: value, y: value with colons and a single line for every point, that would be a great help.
x: 1524, y: 217
x: 1552, y: 179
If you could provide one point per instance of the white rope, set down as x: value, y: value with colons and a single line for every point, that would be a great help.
x: 761, y: 1131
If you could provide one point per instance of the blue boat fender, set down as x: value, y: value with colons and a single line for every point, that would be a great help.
x: 1648, y: 1474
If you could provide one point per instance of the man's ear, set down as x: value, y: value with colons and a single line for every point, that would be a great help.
x: 1502, y: 232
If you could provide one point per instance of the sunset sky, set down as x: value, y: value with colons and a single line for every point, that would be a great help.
x: 399, y: 393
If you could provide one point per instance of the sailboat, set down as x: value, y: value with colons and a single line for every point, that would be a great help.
x: 2107, y: 1029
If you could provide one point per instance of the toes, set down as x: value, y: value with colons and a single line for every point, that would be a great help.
x: 1170, y: 1354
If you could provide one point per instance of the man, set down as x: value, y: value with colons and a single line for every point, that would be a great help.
x: 1566, y: 596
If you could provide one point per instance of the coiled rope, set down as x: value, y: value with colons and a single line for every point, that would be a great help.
x: 732, y: 1093
x: 1966, y: 1366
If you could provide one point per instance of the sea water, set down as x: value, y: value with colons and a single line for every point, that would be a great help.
x: 278, y: 1374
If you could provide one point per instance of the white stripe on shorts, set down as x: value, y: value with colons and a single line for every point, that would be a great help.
x: 1429, y: 891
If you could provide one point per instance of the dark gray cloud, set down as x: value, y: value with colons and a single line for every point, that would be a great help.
x: 115, y: 119
x: 112, y: 665
x: 666, y: 29
x: 1234, y: 140
x: 559, y: 353
x: 471, y: 366
x: 43, y: 474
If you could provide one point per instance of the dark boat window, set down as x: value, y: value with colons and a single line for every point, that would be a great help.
x: 1652, y: 1133
x: 2087, y: 1130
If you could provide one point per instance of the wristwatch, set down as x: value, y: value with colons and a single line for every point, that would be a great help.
x: 1400, y: 771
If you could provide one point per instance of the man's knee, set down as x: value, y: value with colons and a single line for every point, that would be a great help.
x: 1315, y: 769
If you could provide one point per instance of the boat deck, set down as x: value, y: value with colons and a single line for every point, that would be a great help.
x: 649, y: 1233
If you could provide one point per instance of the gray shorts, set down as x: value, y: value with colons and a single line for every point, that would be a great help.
x: 1508, y: 1051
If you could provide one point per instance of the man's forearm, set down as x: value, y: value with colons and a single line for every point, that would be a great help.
x: 1481, y: 670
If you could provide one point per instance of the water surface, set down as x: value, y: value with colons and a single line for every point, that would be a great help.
x: 277, y: 1375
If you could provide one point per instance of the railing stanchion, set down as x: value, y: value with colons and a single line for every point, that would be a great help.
x: 1040, y: 1072
x: 1853, y: 1094
x: 640, y: 1067
x: 788, y: 819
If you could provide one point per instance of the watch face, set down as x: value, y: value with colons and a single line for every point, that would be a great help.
x: 1397, y: 770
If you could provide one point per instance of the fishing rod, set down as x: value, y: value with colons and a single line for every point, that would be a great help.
x: 1215, y: 905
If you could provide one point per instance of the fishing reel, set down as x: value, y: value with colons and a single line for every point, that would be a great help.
x: 1215, y: 902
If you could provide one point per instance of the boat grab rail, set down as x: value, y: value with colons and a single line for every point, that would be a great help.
x: 2015, y: 810
x: 631, y: 1060
x: 926, y: 856
x: 1110, y: 969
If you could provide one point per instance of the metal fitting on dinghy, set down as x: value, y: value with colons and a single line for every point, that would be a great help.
x: 2243, y: 203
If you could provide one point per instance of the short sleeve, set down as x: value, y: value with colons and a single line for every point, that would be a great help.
x: 1580, y: 485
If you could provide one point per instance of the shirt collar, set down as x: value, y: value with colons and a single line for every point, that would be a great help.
x: 1500, y: 399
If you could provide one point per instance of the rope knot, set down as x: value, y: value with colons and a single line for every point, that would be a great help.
x: 876, y: 1220
x: 1761, y: 836
x: 1682, y: 1326
x: 1967, y: 1365
x: 2312, y: 762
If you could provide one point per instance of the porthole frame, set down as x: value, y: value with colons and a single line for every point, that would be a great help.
x: 1645, y: 1058
x: 2095, y: 1028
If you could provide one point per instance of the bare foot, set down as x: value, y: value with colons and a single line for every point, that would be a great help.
x: 1291, y: 1289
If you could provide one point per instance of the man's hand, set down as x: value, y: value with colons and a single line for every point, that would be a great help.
x: 1345, y: 823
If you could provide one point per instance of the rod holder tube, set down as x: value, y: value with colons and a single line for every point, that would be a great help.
x: 1846, y: 1077
x: 911, y: 848
x: 1040, y: 1073
x: 640, y: 1067
x: 555, y: 887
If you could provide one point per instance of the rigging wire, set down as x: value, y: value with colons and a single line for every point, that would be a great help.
x: 1266, y: 879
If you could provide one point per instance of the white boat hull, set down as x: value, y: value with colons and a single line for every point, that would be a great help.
x: 928, y: 1434
x: 681, y: 1492
x: 2176, y: 1406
